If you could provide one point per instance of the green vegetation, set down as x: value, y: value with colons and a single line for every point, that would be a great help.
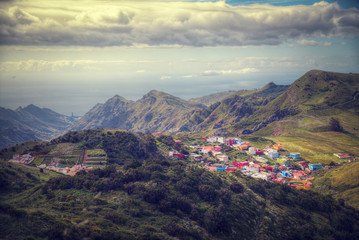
x: 159, y: 199
x: 340, y: 182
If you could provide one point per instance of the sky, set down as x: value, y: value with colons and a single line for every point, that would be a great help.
x: 70, y: 55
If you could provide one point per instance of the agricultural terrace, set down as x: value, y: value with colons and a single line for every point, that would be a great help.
x: 95, y: 157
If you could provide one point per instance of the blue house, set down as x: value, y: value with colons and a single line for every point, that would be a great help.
x: 285, y: 174
x: 295, y: 155
x: 221, y: 169
x: 315, y: 166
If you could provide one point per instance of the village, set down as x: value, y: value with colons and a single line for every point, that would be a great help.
x: 64, y: 159
x: 273, y: 163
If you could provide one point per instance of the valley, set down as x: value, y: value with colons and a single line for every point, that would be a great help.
x: 278, y: 161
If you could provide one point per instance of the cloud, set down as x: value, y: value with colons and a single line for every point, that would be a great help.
x: 227, y: 72
x: 125, y: 23
x: 64, y: 65
x: 165, y: 77
x: 305, y: 42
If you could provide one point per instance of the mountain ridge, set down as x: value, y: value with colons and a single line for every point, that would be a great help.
x: 31, y: 123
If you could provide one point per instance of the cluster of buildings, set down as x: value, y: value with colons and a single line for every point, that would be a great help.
x: 282, y: 169
x: 71, y: 171
x: 22, y: 159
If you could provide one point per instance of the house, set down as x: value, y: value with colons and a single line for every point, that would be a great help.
x: 230, y: 142
x: 196, y: 157
x: 342, y: 156
x: 221, y: 169
x: 303, y: 165
x: 252, y: 151
x: 285, y: 174
x: 243, y: 147
x: 263, y: 175
x: 217, y: 148
x: 298, y: 175
x: 215, y: 139
x: 212, y: 168
x: 240, y: 164
x: 295, y: 155
x: 222, y: 157
x: 178, y: 141
x: 179, y: 155
x: 315, y: 166
x: 272, y: 153
x: 278, y: 147
x: 231, y: 169
x: 298, y: 184
x: 259, y: 152
x: 269, y: 168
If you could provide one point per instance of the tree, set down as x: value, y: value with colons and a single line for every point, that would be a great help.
x: 334, y: 125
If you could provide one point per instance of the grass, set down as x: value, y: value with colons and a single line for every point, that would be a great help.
x: 341, y: 182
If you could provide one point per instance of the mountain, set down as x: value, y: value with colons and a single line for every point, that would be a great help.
x: 155, y: 111
x: 233, y: 108
x: 300, y: 118
x: 208, y: 100
x: 30, y: 123
x: 148, y: 196
x: 112, y: 114
x: 317, y: 93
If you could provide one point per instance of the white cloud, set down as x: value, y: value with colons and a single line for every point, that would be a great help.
x: 165, y: 77
x: 148, y: 23
x: 62, y: 65
x: 227, y: 72
x: 305, y: 42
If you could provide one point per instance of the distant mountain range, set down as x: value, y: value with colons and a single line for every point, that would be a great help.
x: 31, y: 123
x: 317, y: 95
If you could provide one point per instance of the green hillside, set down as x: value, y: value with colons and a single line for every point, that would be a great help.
x: 342, y: 183
x: 161, y: 199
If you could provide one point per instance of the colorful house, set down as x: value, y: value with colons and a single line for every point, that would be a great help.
x: 221, y: 169
x: 243, y: 147
x: 222, y: 157
x: 217, y: 148
x: 196, y: 157
x: 240, y: 164
x: 180, y: 155
x: 315, y: 166
x: 298, y: 184
x: 285, y: 173
x: 278, y: 147
x: 259, y: 152
x: 295, y: 155
x: 272, y: 153
x: 231, y: 169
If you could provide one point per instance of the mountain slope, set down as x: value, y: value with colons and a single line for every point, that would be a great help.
x: 152, y: 197
x: 112, y: 114
x: 208, y: 100
x: 300, y: 118
x: 232, y: 109
x: 30, y: 123
x: 317, y: 93
x: 155, y: 111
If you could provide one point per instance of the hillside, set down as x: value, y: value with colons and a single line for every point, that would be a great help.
x: 210, y: 99
x: 233, y: 108
x: 152, y: 197
x: 30, y: 123
x: 300, y: 117
x: 342, y: 183
x: 156, y: 111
